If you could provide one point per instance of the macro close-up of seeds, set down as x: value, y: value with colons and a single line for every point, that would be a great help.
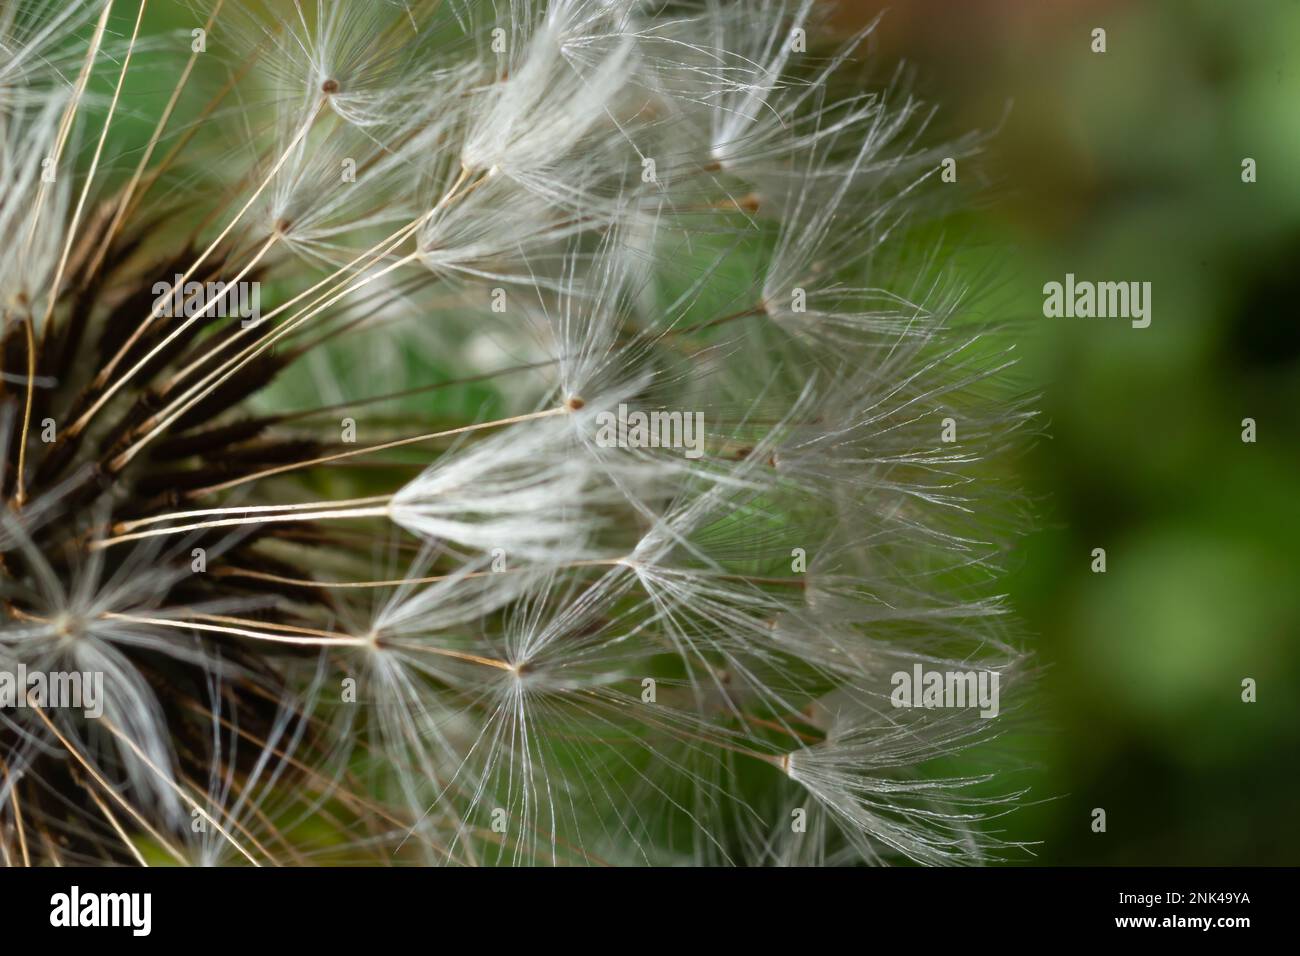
x: 553, y: 433
x: 443, y: 442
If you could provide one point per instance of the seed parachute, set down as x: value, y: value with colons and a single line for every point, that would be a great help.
x: 344, y: 530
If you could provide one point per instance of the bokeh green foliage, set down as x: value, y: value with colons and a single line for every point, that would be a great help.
x: 1126, y: 166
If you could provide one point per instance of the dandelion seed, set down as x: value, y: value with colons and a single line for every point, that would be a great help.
x: 467, y: 631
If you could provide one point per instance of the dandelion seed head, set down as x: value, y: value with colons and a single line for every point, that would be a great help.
x: 370, y: 576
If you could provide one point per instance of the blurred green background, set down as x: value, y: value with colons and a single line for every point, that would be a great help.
x: 1127, y: 166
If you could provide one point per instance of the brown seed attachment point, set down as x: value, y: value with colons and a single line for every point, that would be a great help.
x: 574, y: 404
x: 330, y: 87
